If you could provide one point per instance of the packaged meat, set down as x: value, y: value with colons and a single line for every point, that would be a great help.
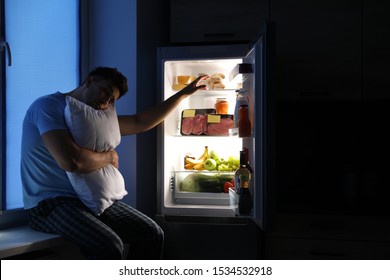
x: 205, y: 122
x: 219, y: 124
x: 194, y: 121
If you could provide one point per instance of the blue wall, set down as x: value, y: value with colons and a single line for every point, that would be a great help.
x: 112, y: 42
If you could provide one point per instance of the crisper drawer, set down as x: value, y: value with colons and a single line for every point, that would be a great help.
x: 200, y: 188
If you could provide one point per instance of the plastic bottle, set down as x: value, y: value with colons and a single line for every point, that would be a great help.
x: 244, y: 124
x: 241, y: 99
x: 242, y: 170
x: 245, y: 202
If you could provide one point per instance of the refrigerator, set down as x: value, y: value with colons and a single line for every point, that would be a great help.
x: 182, y: 212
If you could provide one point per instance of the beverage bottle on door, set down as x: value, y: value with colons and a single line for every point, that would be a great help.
x: 244, y: 124
x: 245, y: 202
x: 242, y: 170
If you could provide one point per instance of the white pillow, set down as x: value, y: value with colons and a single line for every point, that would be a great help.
x: 97, y: 130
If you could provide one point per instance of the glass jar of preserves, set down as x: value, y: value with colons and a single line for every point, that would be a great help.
x: 221, y: 106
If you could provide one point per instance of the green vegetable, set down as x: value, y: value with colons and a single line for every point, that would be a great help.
x: 205, y: 182
x: 225, y: 178
x: 190, y: 184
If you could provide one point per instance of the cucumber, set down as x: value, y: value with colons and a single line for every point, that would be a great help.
x: 226, y: 177
x: 205, y: 183
x: 210, y: 184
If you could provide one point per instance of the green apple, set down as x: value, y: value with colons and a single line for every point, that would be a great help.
x: 214, y: 156
x: 210, y: 164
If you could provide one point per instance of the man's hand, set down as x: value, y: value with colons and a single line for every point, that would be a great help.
x: 73, y: 158
x: 143, y: 121
x: 115, y: 158
x: 193, y: 86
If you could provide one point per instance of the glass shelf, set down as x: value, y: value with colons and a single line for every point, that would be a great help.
x: 217, y: 92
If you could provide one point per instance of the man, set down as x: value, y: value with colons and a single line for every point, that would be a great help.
x: 48, y: 151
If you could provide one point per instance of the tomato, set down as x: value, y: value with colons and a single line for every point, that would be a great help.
x: 232, y: 182
x: 226, y: 186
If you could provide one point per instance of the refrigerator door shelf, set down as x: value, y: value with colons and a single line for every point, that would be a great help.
x: 242, y: 68
x: 234, y: 197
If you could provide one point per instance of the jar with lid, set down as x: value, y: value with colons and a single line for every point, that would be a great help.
x: 241, y: 99
x: 221, y: 106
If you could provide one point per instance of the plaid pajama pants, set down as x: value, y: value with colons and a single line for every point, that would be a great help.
x: 100, y: 237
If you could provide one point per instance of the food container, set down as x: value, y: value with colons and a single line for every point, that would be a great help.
x: 205, y: 122
x: 221, y: 106
x: 190, y: 187
x: 219, y: 124
x: 194, y: 121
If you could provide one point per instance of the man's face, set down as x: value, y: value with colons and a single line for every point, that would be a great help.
x: 101, y: 94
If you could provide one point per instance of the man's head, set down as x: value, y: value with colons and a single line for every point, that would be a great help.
x: 105, y: 86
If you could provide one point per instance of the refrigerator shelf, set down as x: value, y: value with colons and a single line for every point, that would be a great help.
x: 232, y: 135
x: 215, y: 92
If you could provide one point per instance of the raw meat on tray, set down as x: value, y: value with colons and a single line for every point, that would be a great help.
x: 205, y: 122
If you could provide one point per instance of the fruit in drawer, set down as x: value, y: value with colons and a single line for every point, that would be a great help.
x: 197, y: 164
x: 214, y: 156
x: 210, y: 164
x: 205, y: 154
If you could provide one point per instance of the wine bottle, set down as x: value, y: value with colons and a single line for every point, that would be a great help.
x: 242, y: 170
x: 245, y: 202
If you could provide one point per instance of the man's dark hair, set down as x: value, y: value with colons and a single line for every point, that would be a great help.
x: 114, y: 76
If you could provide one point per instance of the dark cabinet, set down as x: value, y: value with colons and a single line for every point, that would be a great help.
x: 325, y: 249
x: 210, y: 238
x: 216, y: 20
x: 331, y: 146
x: 332, y: 90
x: 318, y: 48
x: 376, y: 49
x: 312, y: 237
